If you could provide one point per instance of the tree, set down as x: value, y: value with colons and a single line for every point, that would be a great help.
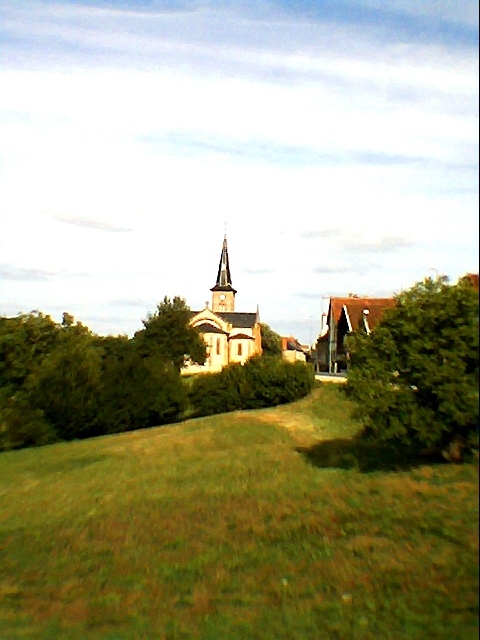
x: 168, y: 335
x: 38, y: 360
x: 271, y: 341
x: 415, y: 378
x: 61, y: 381
x: 65, y: 387
x: 69, y: 326
x: 137, y: 392
x: 24, y: 341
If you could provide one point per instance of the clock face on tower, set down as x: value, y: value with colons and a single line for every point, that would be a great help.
x: 222, y: 296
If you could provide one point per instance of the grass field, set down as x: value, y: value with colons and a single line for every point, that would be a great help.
x: 268, y: 524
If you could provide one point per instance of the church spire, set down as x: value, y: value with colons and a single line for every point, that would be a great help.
x: 223, y: 291
x: 223, y: 276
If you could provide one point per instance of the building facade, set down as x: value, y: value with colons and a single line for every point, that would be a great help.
x: 230, y: 336
x: 344, y: 316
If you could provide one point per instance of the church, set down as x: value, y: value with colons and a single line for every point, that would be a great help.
x: 230, y: 336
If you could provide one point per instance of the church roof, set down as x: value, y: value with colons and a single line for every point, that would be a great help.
x: 224, y: 278
x: 236, y: 318
x: 219, y: 287
x: 240, y: 336
x: 206, y: 327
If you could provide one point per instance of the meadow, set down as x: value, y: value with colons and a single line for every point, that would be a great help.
x: 268, y: 524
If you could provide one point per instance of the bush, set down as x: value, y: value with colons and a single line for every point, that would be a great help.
x: 139, y: 392
x: 415, y: 379
x: 23, y: 426
x: 65, y: 387
x: 221, y: 392
x: 260, y: 382
x: 61, y: 382
x: 272, y: 381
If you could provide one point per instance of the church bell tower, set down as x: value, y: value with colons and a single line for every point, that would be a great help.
x: 223, y: 294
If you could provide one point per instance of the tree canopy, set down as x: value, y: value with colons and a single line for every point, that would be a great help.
x: 271, y: 341
x: 415, y: 378
x: 167, y: 334
x: 60, y: 381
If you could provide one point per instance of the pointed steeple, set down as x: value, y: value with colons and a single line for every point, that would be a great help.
x: 223, y: 293
x: 224, y: 278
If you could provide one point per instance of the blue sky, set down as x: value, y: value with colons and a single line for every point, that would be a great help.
x: 338, y: 141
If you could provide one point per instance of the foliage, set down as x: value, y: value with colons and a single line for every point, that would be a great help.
x: 61, y: 381
x: 272, y: 381
x: 211, y: 393
x: 41, y: 380
x: 271, y: 341
x: 21, y: 425
x: 260, y: 382
x: 168, y: 335
x: 415, y: 378
x: 65, y: 387
x: 138, y: 392
x: 24, y: 341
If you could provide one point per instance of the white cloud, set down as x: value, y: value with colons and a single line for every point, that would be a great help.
x: 167, y: 125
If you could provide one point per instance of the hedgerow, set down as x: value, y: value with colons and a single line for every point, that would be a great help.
x: 260, y: 382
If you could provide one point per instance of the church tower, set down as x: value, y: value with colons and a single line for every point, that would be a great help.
x: 223, y: 294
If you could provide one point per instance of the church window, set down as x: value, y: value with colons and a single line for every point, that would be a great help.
x: 218, y: 346
x: 240, y: 349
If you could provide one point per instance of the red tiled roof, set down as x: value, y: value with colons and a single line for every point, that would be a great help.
x: 473, y: 278
x: 356, y: 306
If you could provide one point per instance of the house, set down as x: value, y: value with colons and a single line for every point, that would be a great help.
x: 344, y: 316
x: 473, y: 279
x: 292, y: 350
x: 348, y: 314
x: 230, y: 336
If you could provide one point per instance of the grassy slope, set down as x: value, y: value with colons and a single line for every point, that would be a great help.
x: 219, y: 528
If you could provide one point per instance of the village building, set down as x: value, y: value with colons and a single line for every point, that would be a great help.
x: 472, y: 278
x: 347, y: 314
x: 231, y: 336
x: 292, y: 350
x: 344, y: 316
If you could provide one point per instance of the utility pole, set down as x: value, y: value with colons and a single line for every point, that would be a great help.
x: 329, y: 341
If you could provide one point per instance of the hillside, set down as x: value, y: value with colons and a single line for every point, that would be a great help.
x: 238, y: 526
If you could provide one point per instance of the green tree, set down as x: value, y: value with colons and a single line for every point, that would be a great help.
x: 21, y: 425
x: 415, y: 378
x: 271, y: 341
x: 61, y: 381
x: 168, y: 335
x: 33, y: 369
x: 65, y: 387
x: 24, y: 341
x: 137, y: 392
x: 69, y: 326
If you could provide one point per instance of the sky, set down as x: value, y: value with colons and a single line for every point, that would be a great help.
x: 336, y: 142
